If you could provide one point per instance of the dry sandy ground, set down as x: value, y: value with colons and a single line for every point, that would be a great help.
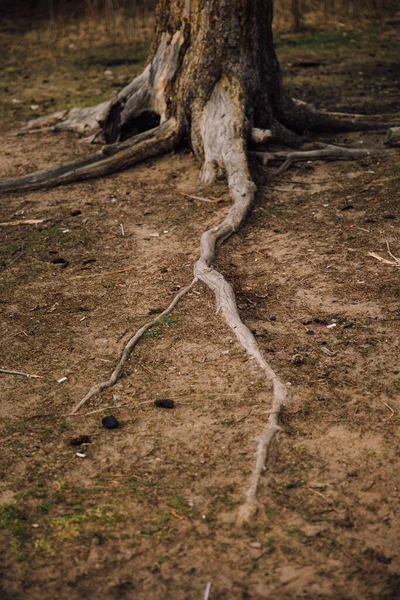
x: 148, y: 512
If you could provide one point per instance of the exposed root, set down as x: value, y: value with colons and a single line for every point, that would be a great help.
x: 80, y: 120
x: 115, y: 375
x: 277, y: 134
x: 301, y: 116
x: 327, y: 152
x: 108, y: 160
x: 223, y: 143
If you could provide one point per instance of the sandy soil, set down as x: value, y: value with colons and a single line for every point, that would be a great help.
x: 148, y: 511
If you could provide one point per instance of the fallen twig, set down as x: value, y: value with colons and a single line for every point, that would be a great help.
x: 390, y: 252
x: 201, y: 199
x: 292, y: 316
x: 391, y: 410
x: 394, y: 263
x: 327, y: 152
x: 207, y: 591
x: 9, y: 372
x: 23, y: 222
x: 105, y: 273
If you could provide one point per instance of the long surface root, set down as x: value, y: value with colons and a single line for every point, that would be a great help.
x: 224, y: 142
x: 108, y: 160
x: 129, y: 346
x: 327, y: 152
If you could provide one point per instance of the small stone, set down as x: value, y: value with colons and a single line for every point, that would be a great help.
x: 255, y: 545
x: 164, y: 403
x: 75, y: 213
x: 110, y: 422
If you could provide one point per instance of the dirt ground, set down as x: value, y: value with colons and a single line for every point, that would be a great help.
x: 148, y: 511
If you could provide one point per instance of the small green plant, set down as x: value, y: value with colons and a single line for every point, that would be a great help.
x: 42, y: 544
x: 153, y: 333
x: 52, y: 233
x: 14, y: 520
x: 168, y: 321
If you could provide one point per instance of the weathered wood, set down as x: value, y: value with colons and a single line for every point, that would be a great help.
x: 327, y: 152
x: 223, y: 124
x: 106, y: 161
x: 393, y: 137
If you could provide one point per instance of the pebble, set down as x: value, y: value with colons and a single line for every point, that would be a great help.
x: 110, y: 422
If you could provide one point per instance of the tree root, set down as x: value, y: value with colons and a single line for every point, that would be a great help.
x: 131, y: 343
x: 327, y: 152
x: 223, y: 142
x: 278, y: 134
x: 79, y: 120
x: 108, y: 160
x: 301, y: 116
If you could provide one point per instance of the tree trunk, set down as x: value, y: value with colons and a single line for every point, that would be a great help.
x: 296, y: 14
x: 197, y: 45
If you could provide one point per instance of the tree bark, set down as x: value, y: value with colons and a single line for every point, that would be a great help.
x: 196, y: 44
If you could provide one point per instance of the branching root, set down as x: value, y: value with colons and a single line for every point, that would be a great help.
x: 106, y: 161
x: 222, y: 132
x: 129, y: 346
x: 327, y: 152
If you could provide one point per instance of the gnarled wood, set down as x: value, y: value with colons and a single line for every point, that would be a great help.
x: 327, y: 152
x: 222, y: 131
x: 106, y: 161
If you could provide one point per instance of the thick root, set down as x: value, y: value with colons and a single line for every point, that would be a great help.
x: 106, y: 161
x: 301, y: 116
x: 327, y: 152
x: 222, y: 132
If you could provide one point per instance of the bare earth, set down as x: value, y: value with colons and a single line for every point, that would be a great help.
x: 148, y: 512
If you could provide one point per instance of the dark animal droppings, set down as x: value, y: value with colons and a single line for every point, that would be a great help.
x: 59, y: 261
x: 164, y: 403
x: 110, y: 422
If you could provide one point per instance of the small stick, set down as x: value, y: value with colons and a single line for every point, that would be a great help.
x: 207, y: 592
x: 292, y: 316
x: 23, y: 222
x: 201, y: 199
x: 391, y: 410
x: 390, y: 252
x: 131, y: 343
x: 324, y: 497
x: 8, y: 372
x: 105, y: 273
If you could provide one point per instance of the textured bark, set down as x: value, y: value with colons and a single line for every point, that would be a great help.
x: 195, y: 44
